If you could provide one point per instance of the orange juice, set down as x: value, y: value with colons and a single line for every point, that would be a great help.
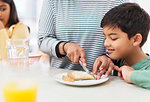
x: 20, y: 91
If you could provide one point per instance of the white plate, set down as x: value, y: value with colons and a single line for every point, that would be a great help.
x: 59, y: 79
x: 34, y: 55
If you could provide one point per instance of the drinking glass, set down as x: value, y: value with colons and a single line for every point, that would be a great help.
x: 18, y: 52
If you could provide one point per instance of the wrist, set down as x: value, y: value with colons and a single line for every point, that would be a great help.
x: 62, y: 47
x: 57, y: 50
x: 129, y: 76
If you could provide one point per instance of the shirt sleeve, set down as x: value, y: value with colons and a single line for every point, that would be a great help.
x: 19, y: 31
x: 141, y: 78
x: 46, y: 35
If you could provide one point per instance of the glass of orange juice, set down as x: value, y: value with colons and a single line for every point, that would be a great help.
x: 21, y: 84
x: 20, y: 91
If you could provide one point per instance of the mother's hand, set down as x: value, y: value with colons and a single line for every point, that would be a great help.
x: 74, y: 52
x: 101, y: 64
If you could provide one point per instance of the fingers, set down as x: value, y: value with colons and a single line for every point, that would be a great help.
x: 104, y: 63
x: 111, y: 67
x: 76, y: 58
x: 83, y: 58
x: 119, y: 72
x: 96, y: 65
x: 117, y: 68
x: 120, y: 75
x: 101, y: 63
x: 101, y: 73
x: 69, y: 55
x: 75, y: 52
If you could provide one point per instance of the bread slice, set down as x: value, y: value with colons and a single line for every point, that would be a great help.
x: 79, y: 75
x: 66, y: 78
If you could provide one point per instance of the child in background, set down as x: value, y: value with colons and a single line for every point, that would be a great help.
x: 126, y: 29
x: 10, y: 27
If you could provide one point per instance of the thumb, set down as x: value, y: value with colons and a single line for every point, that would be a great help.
x: 83, y: 61
x: 83, y: 58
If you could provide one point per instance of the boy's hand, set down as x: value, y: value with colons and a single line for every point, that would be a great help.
x: 126, y: 72
x: 119, y: 72
x: 101, y: 64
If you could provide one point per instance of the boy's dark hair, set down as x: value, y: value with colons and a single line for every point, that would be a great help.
x: 130, y: 18
x: 13, y: 18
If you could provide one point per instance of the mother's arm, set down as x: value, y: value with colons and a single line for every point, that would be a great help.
x: 46, y: 35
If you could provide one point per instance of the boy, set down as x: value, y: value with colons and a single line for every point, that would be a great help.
x: 126, y: 28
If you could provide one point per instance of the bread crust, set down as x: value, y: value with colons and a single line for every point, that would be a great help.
x: 79, y: 75
x: 66, y: 78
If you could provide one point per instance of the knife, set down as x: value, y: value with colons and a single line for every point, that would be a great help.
x: 86, y: 69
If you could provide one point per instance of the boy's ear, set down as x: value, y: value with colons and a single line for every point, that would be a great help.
x: 137, y: 39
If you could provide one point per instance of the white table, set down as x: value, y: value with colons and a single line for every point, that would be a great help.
x: 114, y: 90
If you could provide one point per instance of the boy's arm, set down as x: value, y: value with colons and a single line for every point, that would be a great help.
x: 141, y: 78
x: 138, y: 77
x: 46, y: 35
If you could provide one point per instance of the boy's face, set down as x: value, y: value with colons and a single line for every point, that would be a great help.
x: 117, y: 43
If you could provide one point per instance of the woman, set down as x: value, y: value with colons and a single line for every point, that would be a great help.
x: 10, y: 27
x: 69, y: 30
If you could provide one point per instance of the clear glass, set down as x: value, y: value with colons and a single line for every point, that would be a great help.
x: 18, y: 52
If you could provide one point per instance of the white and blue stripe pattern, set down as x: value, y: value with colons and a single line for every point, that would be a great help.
x: 77, y: 21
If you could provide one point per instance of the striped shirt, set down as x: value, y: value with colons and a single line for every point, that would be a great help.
x: 77, y: 21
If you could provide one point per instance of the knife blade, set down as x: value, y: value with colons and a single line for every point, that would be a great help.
x: 86, y: 69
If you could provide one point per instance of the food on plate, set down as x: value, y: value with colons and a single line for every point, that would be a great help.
x: 77, y: 75
x: 66, y: 78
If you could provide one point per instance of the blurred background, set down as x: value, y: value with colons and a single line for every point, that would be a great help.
x: 29, y: 13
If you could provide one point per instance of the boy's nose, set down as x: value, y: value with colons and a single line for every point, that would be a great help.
x: 107, y: 43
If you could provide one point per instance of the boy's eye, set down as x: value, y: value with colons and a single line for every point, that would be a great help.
x: 114, y: 39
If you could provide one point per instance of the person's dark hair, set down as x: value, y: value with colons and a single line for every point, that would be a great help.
x: 130, y: 18
x: 13, y: 18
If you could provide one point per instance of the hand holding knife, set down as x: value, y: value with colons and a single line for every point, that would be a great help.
x: 86, y: 69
